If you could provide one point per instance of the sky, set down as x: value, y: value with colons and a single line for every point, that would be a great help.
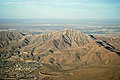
x: 60, y: 9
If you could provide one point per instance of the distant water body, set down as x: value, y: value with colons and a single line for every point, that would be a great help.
x: 36, y: 25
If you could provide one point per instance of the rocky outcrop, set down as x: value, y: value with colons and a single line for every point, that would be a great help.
x: 105, y: 44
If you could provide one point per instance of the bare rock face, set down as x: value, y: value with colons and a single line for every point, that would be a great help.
x: 70, y: 38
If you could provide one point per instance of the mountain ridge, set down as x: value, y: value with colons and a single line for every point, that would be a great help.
x: 63, y: 47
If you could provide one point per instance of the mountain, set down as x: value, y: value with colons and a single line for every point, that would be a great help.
x: 61, y: 55
x: 64, y: 47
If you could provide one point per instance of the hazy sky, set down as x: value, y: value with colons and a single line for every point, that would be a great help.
x: 60, y: 9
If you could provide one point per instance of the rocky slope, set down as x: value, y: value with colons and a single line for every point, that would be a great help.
x: 65, y: 54
x: 61, y: 48
x: 7, y: 38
